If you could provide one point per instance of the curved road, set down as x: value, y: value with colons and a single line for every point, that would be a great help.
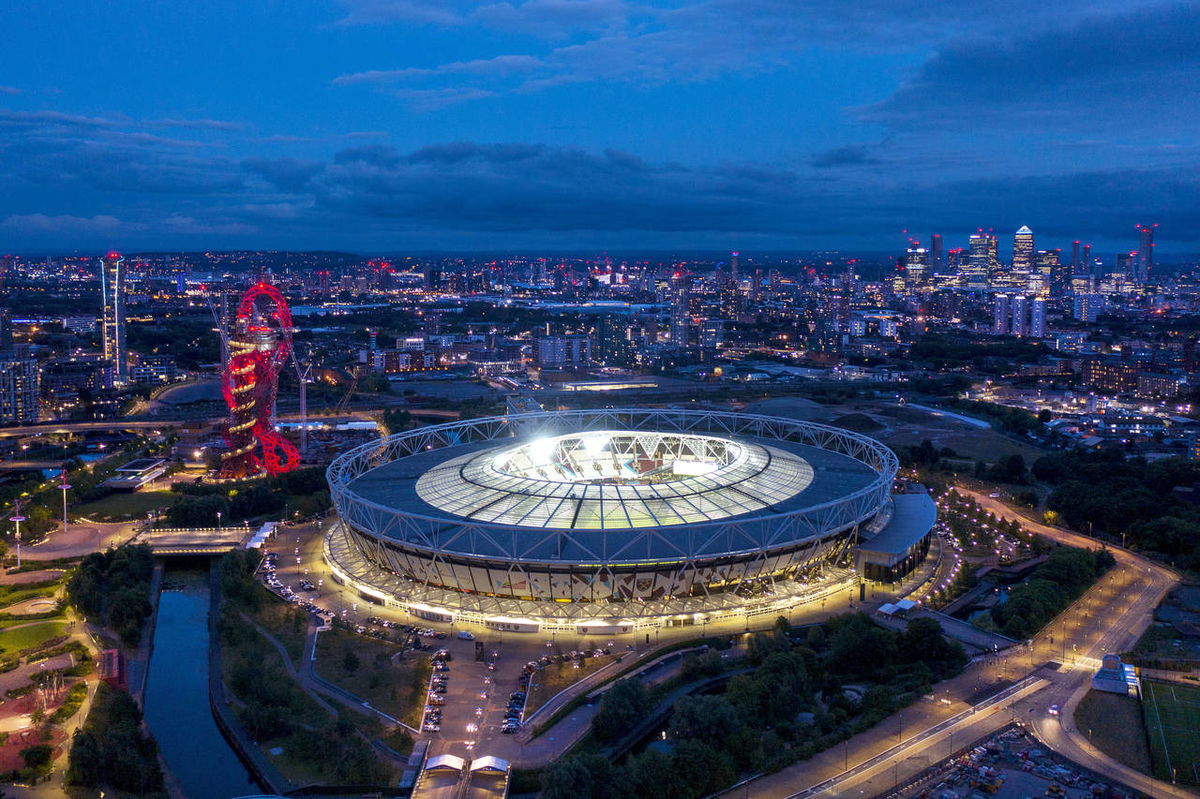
x: 1110, y: 617
x: 1140, y: 584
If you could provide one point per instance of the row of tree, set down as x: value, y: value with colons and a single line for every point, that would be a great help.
x: 1053, y: 586
x: 1107, y: 493
x: 273, y: 707
x: 304, y: 491
x: 112, y: 588
x: 112, y: 748
x: 793, y: 704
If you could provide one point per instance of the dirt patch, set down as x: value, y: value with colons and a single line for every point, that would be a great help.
x: 857, y: 423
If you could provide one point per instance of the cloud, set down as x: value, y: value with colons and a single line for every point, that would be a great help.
x: 60, y: 224
x: 199, y: 124
x: 846, y: 155
x: 290, y: 175
x: 1111, y: 71
x: 498, y: 66
x: 11, y: 90
x: 700, y: 40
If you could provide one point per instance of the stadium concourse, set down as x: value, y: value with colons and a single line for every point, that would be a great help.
x: 615, y: 520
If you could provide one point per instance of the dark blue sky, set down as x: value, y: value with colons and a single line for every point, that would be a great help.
x: 692, y: 124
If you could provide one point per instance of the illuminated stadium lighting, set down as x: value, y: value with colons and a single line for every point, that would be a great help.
x: 606, y: 520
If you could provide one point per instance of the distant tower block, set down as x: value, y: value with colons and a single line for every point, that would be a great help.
x: 112, y: 291
x: 259, y: 344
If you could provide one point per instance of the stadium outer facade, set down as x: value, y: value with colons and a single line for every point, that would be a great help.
x: 605, y: 521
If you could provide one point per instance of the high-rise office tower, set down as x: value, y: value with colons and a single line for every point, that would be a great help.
x: 1145, y: 252
x: 6, y: 336
x: 916, y: 267
x: 680, y: 289
x: 936, y: 257
x: 1075, y: 262
x: 19, y: 388
x: 995, y: 270
x: 1037, y: 318
x: 974, y: 273
x: 1089, y: 267
x: 1127, y: 263
x: 733, y: 266
x: 1048, y: 272
x: 1022, y: 260
x: 955, y: 257
x: 112, y: 292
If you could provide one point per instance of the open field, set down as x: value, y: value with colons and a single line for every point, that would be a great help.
x: 1113, y: 724
x: 14, y: 640
x: 553, y: 678
x: 363, y: 666
x: 122, y: 507
x: 1172, y: 715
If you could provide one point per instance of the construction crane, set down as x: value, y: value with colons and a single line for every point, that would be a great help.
x: 355, y: 373
x: 304, y: 376
x: 221, y: 322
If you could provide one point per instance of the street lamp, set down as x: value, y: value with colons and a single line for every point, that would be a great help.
x: 218, y: 524
x: 65, y: 486
x: 16, y: 519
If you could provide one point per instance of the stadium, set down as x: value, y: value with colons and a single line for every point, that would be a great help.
x: 606, y: 520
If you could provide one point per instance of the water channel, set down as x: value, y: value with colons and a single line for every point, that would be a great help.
x: 177, y: 709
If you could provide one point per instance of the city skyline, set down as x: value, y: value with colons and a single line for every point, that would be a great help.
x: 554, y: 124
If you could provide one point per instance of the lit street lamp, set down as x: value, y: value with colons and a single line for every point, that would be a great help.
x: 16, y: 519
x: 65, y: 486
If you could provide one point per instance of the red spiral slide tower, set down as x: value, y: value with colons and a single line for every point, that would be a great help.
x: 259, y: 344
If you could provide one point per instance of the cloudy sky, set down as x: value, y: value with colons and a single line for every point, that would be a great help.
x: 595, y: 124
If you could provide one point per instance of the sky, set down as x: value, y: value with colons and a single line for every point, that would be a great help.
x: 440, y: 125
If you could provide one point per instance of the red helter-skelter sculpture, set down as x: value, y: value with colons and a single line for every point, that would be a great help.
x: 259, y: 344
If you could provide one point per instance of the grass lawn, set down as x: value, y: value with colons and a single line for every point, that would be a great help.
x: 557, y: 676
x: 286, y: 622
x: 1113, y: 723
x: 122, y: 507
x: 24, y: 637
x: 1172, y: 715
x: 363, y: 666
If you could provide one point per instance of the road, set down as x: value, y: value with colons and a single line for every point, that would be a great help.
x: 1110, y: 617
x: 1137, y: 586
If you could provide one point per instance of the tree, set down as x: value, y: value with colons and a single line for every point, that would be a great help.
x: 711, y: 719
x: 622, y: 707
x: 38, y: 757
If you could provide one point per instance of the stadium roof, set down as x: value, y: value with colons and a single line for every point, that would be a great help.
x: 500, y: 485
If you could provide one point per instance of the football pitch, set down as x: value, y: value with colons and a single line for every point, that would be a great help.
x: 1172, y: 715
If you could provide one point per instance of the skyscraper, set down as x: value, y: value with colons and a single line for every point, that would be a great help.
x: 993, y: 253
x: 935, y: 252
x: 19, y: 385
x: 1020, y: 315
x: 680, y: 295
x: 916, y: 267
x: 1076, y: 264
x: 1022, y: 260
x: 974, y: 273
x: 112, y: 292
x: 1145, y: 253
x: 1037, y: 318
x: 1000, y: 314
x: 1089, y: 268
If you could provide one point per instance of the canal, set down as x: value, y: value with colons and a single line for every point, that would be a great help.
x: 177, y: 709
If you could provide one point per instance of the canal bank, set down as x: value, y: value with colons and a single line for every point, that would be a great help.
x: 177, y: 706
x: 262, y: 771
